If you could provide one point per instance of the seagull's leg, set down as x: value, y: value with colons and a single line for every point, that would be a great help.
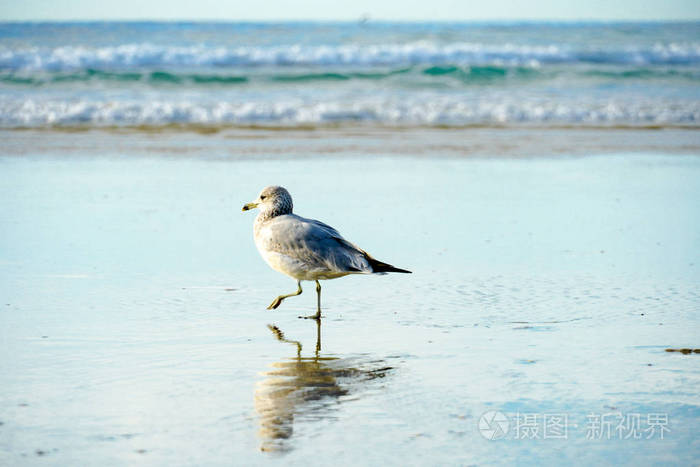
x: 318, y: 303
x: 278, y: 301
x: 318, y: 299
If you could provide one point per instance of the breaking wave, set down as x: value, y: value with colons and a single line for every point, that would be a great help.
x: 428, y: 110
x: 131, y: 56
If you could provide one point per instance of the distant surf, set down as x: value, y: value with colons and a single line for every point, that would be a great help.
x: 429, y: 74
x: 129, y: 56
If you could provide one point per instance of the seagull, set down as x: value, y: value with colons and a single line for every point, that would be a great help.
x: 305, y: 249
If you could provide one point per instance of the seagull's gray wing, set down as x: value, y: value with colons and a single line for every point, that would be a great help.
x: 319, y: 246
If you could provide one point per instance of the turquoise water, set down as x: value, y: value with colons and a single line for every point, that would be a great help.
x: 133, y: 326
x: 319, y: 74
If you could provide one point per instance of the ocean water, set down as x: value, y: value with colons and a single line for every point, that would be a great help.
x: 309, y: 74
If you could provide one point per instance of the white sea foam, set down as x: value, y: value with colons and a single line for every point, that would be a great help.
x: 416, y: 110
x: 422, y: 52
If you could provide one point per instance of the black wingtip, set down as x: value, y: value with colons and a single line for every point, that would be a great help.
x: 379, y: 267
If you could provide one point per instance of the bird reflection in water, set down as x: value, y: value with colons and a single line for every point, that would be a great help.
x: 305, y: 388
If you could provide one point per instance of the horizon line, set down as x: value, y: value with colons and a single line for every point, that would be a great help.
x: 361, y: 20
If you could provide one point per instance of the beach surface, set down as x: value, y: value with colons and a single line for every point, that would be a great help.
x: 553, y: 269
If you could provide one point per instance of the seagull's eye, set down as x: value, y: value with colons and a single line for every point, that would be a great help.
x: 263, y: 196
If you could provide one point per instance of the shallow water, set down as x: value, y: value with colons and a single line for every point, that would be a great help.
x: 134, y: 330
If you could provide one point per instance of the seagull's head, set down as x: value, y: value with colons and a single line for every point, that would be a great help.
x: 272, y: 201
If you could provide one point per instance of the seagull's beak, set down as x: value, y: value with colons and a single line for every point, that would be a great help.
x: 249, y: 206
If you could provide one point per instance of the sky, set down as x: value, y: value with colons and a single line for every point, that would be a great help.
x: 348, y: 10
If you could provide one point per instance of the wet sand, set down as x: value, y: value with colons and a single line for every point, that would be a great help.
x: 546, y: 288
x: 265, y: 142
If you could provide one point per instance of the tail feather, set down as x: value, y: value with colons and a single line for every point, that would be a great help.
x: 379, y: 267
